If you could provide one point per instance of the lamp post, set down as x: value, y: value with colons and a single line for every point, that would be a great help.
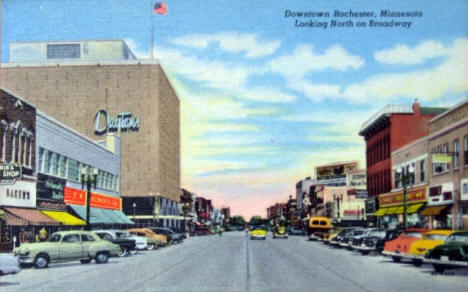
x: 134, y: 206
x: 405, y: 177
x: 338, y: 199
x: 88, y: 178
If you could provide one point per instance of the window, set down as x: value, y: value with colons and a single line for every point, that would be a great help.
x: 13, y: 149
x: 55, y: 163
x: 62, y: 166
x: 25, y: 151
x: 437, y: 167
x: 55, y: 238
x: 63, y: 51
x: 465, y: 148
x: 30, y: 152
x: 446, y: 151
x: 86, y: 237
x: 41, y: 159
x: 71, y: 238
x: 456, y: 154
x: 46, y: 161
x: 422, y: 171
x: 73, y: 170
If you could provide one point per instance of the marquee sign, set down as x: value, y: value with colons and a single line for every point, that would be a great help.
x: 122, y: 123
x: 78, y: 197
x: 412, y: 196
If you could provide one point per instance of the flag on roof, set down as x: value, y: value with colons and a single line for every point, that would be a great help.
x: 160, y: 8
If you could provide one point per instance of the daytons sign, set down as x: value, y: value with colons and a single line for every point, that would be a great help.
x: 123, y: 122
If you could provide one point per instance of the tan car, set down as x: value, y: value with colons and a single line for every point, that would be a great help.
x: 154, y: 240
x: 67, y: 246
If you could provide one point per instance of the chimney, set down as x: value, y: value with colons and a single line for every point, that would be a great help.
x: 416, y: 107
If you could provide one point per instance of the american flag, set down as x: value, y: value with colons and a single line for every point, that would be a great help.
x: 160, y: 8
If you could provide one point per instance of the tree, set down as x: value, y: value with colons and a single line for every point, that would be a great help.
x: 256, y: 220
x: 237, y: 220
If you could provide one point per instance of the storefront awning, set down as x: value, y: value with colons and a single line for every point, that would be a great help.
x: 396, y: 210
x: 102, y: 216
x: 24, y: 217
x: 433, y: 210
x: 64, y: 217
x: 413, y: 208
x: 381, y: 212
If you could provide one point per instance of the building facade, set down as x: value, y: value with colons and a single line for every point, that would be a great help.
x: 448, y: 167
x: 131, y: 98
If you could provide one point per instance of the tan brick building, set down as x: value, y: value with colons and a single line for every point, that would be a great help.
x: 136, y: 90
x: 448, y: 186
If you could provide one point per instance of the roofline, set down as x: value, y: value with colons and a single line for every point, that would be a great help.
x: 16, y: 95
x: 338, y: 163
x: 386, y: 111
x: 455, y: 107
x: 81, y: 63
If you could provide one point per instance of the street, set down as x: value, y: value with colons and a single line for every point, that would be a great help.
x: 234, y: 263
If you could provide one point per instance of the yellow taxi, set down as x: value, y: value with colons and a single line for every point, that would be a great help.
x: 258, y: 232
x: 431, y: 239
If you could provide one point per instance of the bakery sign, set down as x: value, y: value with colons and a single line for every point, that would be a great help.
x: 10, y: 172
x: 122, y: 123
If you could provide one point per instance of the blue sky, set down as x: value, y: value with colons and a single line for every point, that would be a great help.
x: 263, y: 101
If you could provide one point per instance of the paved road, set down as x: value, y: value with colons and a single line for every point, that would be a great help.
x: 233, y: 263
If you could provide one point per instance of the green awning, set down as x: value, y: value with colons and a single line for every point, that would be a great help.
x: 102, y: 216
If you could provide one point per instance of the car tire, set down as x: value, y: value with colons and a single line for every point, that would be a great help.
x: 396, y: 259
x: 102, y: 258
x: 41, y: 261
x: 439, y: 268
x: 123, y: 253
x: 150, y: 246
x: 133, y: 251
x: 85, y: 261
x: 417, y: 262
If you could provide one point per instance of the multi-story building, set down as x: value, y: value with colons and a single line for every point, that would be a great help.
x: 203, y: 208
x: 96, y: 87
x: 334, y: 174
x: 226, y: 211
x: 387, y: 131
x: 303, y: 196
x: 410, y: 162
x: 448, y: 168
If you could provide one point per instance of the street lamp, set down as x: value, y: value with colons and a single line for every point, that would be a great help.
x: 134, y: 206
x: 406, y: 179
x: 338, y: 199
x: 88, y: 178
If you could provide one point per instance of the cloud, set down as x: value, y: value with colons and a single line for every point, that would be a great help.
x: 426, y: 84
x: 231, y: 42
x: 304, y: 60
x: 317, y: 92
x: 403, y: 55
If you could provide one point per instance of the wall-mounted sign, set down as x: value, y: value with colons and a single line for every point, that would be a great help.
x: 334, y: 171
x: 412, y: 196
x: 357, y: 179
x: 10, y: 172
x: 21, y: 194
x: 441, y: 195
x: 50, y: 187
x: 78, y: 197
x: 123, y: 122
x: 441, y: 158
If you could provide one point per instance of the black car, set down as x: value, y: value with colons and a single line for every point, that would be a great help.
x: 346, y: 240
x: 127, y: 245
x: 172, y: 237
x: 335, y: 241
x: 375, y: 241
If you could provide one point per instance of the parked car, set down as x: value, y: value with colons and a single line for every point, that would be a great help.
x: 399, y: 247
x: 452, y: 254
x: 200, y: 230
x: 258, y: 232
x: 293, y: 230
x: 345, y: 240
x: 357, y: 236
x: 126, y: 244
x: 280, y: 232
x: 335, y: 241
x: 8, y: 264
x: 431, y: 239
x: 154, y: 240
x: 376, y: 240
x: 329, y: 235
x: 172, y: 237
x: 141, y: 243
x: 67, y: 246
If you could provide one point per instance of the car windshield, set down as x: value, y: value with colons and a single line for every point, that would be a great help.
x: 55, y: 238
x: 435, y: 237
x: 377, y: 233
x: 458, y: 237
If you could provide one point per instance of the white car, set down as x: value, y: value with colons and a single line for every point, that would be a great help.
x: 140, y: 241
x: 9, y: 264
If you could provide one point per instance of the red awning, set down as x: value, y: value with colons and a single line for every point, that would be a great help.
x: 24, y: 217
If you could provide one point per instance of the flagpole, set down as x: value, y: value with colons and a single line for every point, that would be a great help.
x: 152, y: 29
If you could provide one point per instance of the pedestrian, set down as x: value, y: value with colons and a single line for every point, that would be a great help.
x: 42, y: 234
x: 38, y: 239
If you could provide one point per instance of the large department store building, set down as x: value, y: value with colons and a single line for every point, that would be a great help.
x: 98, y: 87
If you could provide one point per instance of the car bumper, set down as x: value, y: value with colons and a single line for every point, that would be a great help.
x: 342, y: 244
x: 315, y: 238
x: 280, y: 236
x: 395, y: 254
x: 22, y: 260
x: 141, y: 246
x: 363, y: 247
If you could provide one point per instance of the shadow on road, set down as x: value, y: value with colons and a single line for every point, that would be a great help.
x: 5, y: 284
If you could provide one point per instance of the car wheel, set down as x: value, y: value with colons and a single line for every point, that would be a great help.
x: 396, y: 259
x: 41, y: 261
x: 439, y: 268
x: 123, y: 253
x: 417, y: 262
x: 85, y: 261
x: 150, y: 246
x: 133, y: 251
x: 102, y: 258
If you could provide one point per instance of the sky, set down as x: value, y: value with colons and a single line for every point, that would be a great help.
x: 267, y: 95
